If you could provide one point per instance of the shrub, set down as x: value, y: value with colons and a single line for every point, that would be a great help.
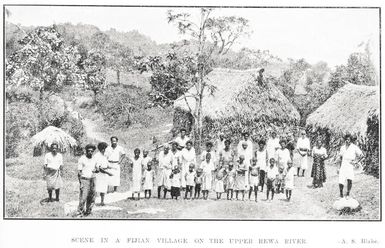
x: 122, y: 107
x: 21, y: 123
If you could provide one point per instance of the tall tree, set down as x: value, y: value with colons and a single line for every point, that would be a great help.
x: 210, y: 34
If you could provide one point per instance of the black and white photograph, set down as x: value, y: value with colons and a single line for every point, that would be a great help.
x: 191, y: 113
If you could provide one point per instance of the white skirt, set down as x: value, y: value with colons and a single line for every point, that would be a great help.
x: 114, y: 180
x: 346, y: 172
x: 289, y: 184
x: 254, y: 181
x: 303, y: 162
x: 219, y: 186
x: 101, y: 182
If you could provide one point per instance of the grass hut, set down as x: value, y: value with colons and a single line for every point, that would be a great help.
x: 353, y: 109
x: 43, y: 140
x: 238, y: 103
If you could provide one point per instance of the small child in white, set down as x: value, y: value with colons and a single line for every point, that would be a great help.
x: 220, y: 177
x: 190, y: 176
x: 271, y: 176
x: 148, y: 179
x: 289, y: 180
x: 230, y: 182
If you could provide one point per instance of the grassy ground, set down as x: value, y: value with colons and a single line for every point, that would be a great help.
x: 25, y: 189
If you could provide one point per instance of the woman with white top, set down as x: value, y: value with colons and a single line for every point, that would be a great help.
x: 350, y: 157
x: 102, y: 175
x: 303, y: 147
x: 53, y: 166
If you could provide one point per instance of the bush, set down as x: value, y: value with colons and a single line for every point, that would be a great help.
x: 122, y: 107
x: 75, y: 128
x: 21, y: 124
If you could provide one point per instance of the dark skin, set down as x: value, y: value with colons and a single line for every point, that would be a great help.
x: 54, y: 149
x: 102, y: 170
x: 136, y: 156
x: 114, y: 144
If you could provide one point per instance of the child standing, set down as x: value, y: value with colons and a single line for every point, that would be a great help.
x: 176, y: 183
x: 271, y: 176
x: 240, y: 181
x: 279, y: 183
x: 220, y: 177
x: 262, y: 162
x: 198, y: 183
x: 208, y: 168
x: 254, y: 179
x: 230, y: 182
x: 189, y: 177
x: 282, y: 155
x: 145, y: 160
x: 148, y: 178
x: 289, y: 180
x: 136, y: 164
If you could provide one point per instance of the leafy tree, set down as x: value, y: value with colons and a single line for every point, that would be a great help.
x: 94, y: 76
x: 119, y: 58
x: 210, y: 34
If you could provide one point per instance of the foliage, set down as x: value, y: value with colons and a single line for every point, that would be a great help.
x: 118, y: 105
x: 21, y: 123
x: 75, y: 128
x: 43, y: 63
x: 171, y: 76
x: 95, y: 72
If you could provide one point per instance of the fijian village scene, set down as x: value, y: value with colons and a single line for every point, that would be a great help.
x: 191, y: 113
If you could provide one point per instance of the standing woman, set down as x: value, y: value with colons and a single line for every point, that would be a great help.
x: 187, y: 157
x: 136, y: 163
x: 350, y: 157
x: 102, y: 174
x: 303, y: 147
x: 318, y: 172
x: 53, y: 166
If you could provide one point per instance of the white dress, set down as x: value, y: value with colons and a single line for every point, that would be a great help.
x: 136, y: 174
x: 349, y: 155
x: 248, y: 153
x: 303, y: 143
x: 271, y: 147
x: 148, y: 180
x: 101, y: 179
x: 207, y: 174
x: 262, y: 159
x: 289, y: 179
x: 164, y: 170
x: 187, y: 157
x: 113, y: 156
x: 282, y: 157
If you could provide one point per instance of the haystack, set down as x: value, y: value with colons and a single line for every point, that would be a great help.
x: 51, y: 134
x: 238, y: 103
x: 353, y: 109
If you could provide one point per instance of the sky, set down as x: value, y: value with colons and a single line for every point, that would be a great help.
x: 328, y: 35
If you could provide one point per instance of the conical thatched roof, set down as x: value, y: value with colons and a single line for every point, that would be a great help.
x: 51, y: 135
x: 238, y: 93
x: 347, y: 111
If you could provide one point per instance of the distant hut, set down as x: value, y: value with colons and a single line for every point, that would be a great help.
x: 43, y: 140
x: 238, y: 103
x: 353, y: 109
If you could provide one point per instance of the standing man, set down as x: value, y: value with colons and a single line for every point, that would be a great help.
x: 115, y: 155
x: 350, y: 156
x: 86, y: 169
x: 220, y: 144
x: 272, y: 145
x: 164, y: 170
x: 182, y: 139
x: 249, y: 144
x: 303, y: 148
x: 53, y: 167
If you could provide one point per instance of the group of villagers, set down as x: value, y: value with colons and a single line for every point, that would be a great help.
x: 220, y: 168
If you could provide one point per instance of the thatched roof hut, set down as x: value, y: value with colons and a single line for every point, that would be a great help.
x: 347, y: 111
x: 238, y: 102
x: 50, y: 135
x: 353, y: 109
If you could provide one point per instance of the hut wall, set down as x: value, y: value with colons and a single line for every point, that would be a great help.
x: 372, y: 147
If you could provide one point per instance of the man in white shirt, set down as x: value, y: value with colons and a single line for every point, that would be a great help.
x: 115, y: 155
x: 53, y: 166
x: 182, y: 139
x: 272, y: 145
x: 303, y: 147
x: 164, y: 170
x: 250, y: 150
x: 350, y: 156
x: 86, y: 169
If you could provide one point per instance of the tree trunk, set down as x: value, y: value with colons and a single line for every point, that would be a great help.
x: 118, y: 76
